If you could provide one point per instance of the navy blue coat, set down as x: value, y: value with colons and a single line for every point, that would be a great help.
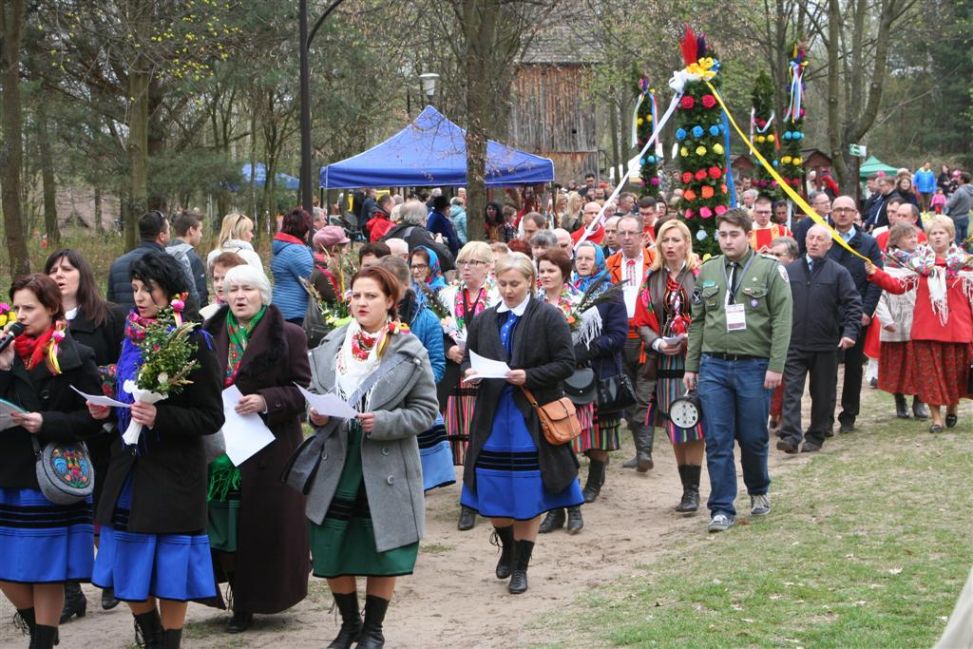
x: 865, y: 244
x: 120, y: 274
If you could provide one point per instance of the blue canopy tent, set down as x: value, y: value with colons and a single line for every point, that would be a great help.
x: 432, y: 151
x: 289, y: 183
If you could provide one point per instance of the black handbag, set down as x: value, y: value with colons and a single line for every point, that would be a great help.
x: 969, y: 381
x: 615, y: 393
x: 581, y: 386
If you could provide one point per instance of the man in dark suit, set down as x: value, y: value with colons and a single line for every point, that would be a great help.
x: 843, y: 215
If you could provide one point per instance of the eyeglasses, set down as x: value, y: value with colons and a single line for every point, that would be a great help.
x: 471, y: 263
x: 419, y: 266
x: 839, y: 210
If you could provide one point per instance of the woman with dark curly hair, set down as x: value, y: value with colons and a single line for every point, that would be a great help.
x: 153, y: 509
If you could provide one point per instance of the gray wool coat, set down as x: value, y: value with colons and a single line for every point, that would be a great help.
x: 405, y: 404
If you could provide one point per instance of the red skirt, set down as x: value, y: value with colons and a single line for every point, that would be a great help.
x: 896, y: 368
x: 942, y: 371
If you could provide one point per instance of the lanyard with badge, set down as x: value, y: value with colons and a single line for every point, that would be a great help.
x: 736, y: 317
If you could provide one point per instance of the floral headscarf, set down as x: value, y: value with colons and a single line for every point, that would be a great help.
x: 599, y: 274
x: 435, y: 278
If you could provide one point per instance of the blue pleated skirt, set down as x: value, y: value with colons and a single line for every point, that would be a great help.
x: 138, y: 566
x: 508, y: 474
x: 436, y: 456
x: 42, y: 543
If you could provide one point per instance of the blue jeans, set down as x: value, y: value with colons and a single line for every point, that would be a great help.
x: 735, y: 407
x: 962, y: 225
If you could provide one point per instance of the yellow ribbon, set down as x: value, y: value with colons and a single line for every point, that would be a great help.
x: 793, y: 195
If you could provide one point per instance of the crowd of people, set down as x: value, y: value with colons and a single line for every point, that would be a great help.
x: 599, y: 312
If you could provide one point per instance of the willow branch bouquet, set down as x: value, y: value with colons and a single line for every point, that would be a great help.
x: 167, y: 361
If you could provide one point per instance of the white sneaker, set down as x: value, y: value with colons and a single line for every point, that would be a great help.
x: 720, y: 523
x: 759, y: 505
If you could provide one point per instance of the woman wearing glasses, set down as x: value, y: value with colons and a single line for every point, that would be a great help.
x: 475, y: 293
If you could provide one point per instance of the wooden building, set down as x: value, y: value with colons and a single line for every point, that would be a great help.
x: 552, y: 113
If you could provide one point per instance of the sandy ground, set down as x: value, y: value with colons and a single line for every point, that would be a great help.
x: 453, y: 599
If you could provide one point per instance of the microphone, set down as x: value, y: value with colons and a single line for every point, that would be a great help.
x: 15, y: 330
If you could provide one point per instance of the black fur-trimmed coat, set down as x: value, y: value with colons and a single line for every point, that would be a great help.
x: 273, y: 557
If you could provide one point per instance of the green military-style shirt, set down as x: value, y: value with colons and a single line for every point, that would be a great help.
x: 764, y: 291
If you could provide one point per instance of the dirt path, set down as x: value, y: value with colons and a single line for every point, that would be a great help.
x: 453, y: 599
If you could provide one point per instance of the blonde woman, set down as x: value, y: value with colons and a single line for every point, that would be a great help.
x: 475, y: 293
x: 662, y: 316
x: 571, y: 219
x: 512, y: 474
x: 236, y: 233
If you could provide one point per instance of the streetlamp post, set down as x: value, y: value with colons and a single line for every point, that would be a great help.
x: 307, y: 200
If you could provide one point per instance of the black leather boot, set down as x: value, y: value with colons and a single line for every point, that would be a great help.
x: 503, y: 537
x: 371, y: 633
x: 25, y: 621
x: 347, y: 604
x: 44, y: 637
x: 467, y: 519
x: 108, y: 599
x: 690, y: 488
x: 148, y: 630
x: 171, y: 638
x: 919, y: 409
x: 553, y: 521
x: 575, y: 520
x: 74, y: 602
x: 518, y: 580
x: 240, y: 622
x: 901, y: 408
x: 596, y: 478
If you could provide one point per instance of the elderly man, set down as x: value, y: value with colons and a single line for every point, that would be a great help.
x: 628, y: 267
x: 821, y: 203
x: 542, y: 242
x: 564, y: 240
x: 588, y: 214
x: 843, y: 214
x: 827, y: 317
x: 611, y: 238
x: 905, y: 213
x: 399, y: 248
x: 785, y: 249
x: 412, y: 230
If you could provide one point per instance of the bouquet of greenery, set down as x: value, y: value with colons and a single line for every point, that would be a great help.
x: 333, y: 314
x: 167, y: 361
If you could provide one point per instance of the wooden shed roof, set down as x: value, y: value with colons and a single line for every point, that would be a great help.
x: 565, y: 38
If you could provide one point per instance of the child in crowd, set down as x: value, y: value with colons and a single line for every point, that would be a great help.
x: 938, y: 201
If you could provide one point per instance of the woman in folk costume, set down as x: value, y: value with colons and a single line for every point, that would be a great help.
x: 599, y: 326
x: 154, y: 550
x: 512, y: 473
x: 257, y: 528
x: 942, y: 323
x: 662, y: 315
x: 42, y: 544
x: 475, y: 293
x: 363, y: 476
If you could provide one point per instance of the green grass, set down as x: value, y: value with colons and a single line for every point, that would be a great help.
x: 868, y: 545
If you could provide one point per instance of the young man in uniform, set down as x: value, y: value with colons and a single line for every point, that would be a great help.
x: 738, y: 341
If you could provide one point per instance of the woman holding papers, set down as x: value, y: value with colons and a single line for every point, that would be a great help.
x: 512, y: 474
x: 362, y: 475
x: 662, y: 315
x: 97, y: 324
x: 257, y: 529
x: 153, y: 507
x: 475, y: 293
x: 42, y: 544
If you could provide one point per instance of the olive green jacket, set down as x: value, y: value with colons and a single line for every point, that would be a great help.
x: 764, y: 291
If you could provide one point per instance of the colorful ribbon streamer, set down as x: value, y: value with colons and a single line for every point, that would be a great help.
x: 793, y: 195
x: 730, y: 184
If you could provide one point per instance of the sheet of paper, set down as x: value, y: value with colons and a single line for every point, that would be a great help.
x: 101, y: 400
x: 244, y: 435
x: 487, y: 368
x: 674, y: 340
x: 6, y: 409
x: 328, y: 404
x: 631, y: 294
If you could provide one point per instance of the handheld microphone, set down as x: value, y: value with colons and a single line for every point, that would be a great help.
x: 15, y: 330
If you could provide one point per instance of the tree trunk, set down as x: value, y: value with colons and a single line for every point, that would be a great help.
x: 138, y: 149
x: 47, y: 176
x: 99, y: 227
x: 11, y: 149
